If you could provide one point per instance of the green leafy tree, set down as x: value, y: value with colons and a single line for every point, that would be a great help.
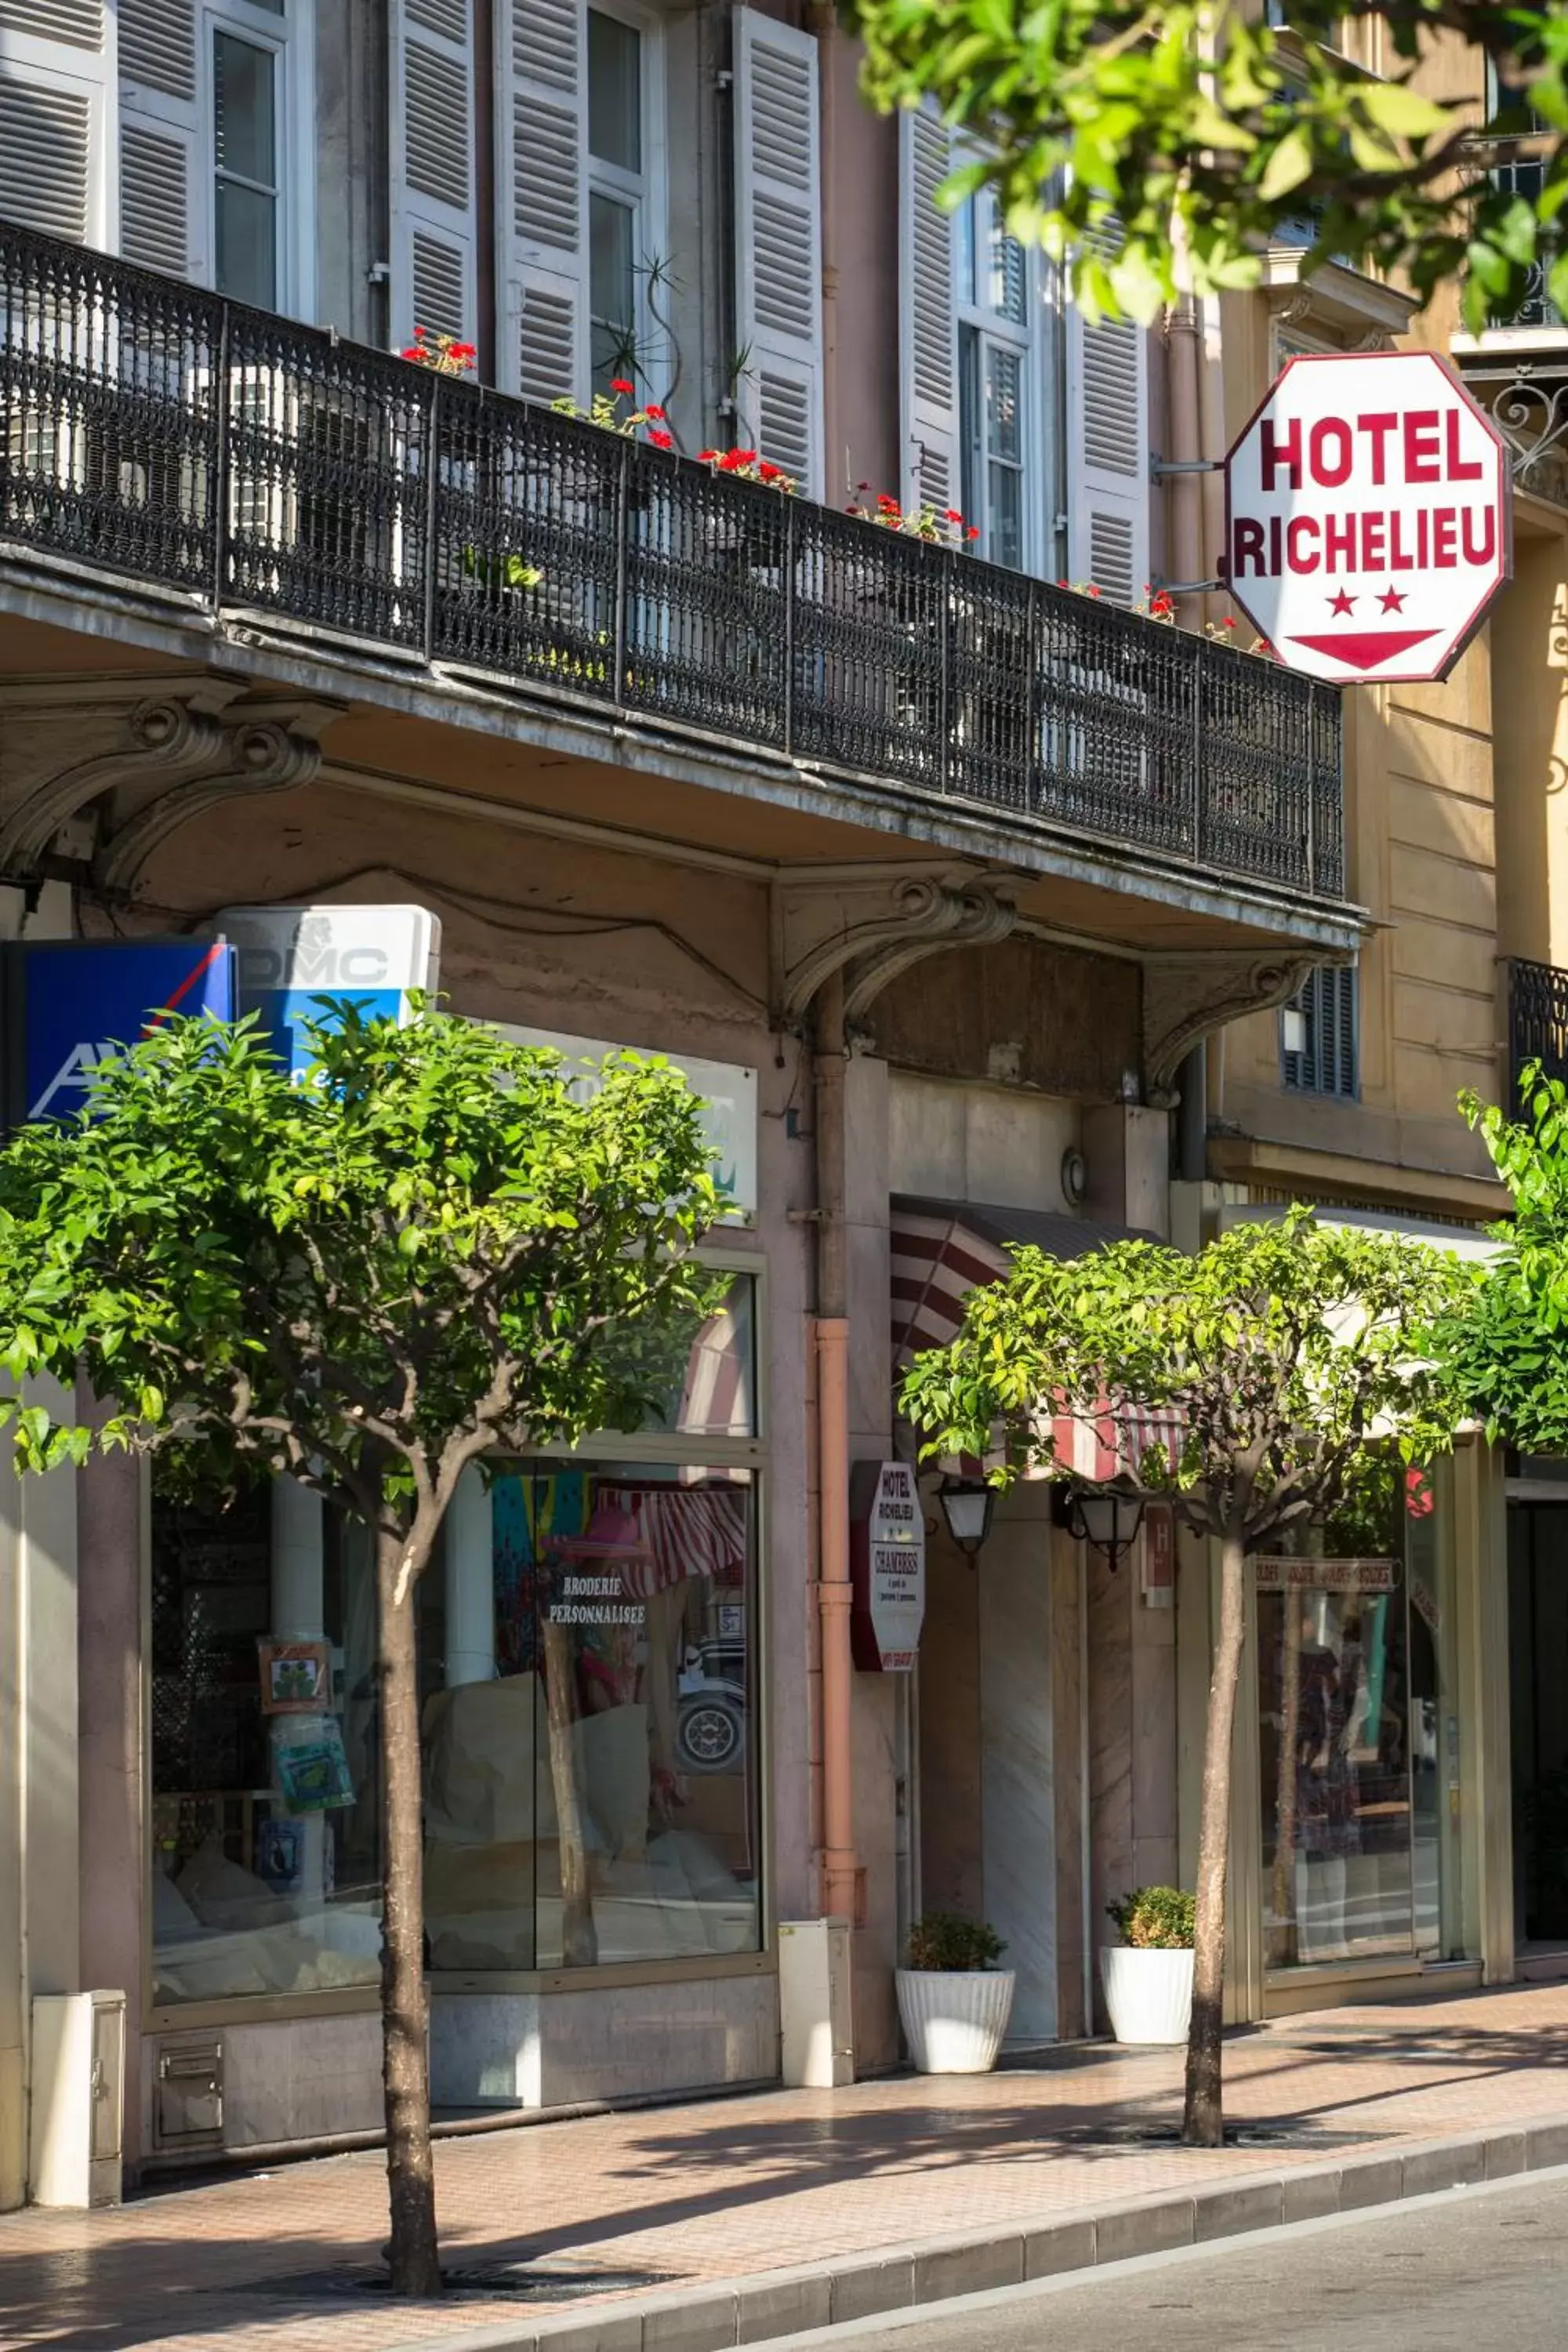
x: 429, y: 1253
x: 1284, y: 1356
x: 1511, y: 1351
x: 1123, y: 135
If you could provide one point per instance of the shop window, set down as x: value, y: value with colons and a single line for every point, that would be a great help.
x: 595, y: 1800
x: 1360, y: 1735
x: 266, y: 1847
x: 587, y: 1669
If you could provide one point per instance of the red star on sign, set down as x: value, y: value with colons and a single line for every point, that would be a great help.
x: 1392, y: 601
x: 1341, y: 603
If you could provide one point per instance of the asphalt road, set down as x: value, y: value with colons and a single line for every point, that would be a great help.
x: 1465, y: 2272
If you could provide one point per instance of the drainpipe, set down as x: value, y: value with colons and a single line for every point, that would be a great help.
x: 839, y: 1872
x: 1183, y: 360
x: 1192, y: 1125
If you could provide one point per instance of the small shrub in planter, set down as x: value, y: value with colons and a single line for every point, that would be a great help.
x: 948, y: 1942
x: 1155, y: 1919
x: 953, y: 1999
x: 1149, y: 1979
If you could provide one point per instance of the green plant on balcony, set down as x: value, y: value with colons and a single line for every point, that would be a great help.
x: 442, y: 354
x: 747, y: 465
x: 937, y: 526
x: 608, y: 411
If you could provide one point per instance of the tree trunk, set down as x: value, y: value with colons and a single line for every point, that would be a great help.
x: 405, y: 2071
x: 578, y: 1936
x: 1202, y: 2123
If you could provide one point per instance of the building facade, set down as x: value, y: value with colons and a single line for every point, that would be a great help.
x: 935, y: 874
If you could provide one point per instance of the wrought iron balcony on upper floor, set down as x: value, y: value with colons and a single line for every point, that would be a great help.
x: 266, y: 470
x: 1537, y: 1020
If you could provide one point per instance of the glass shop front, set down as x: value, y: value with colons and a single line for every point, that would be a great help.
x: 588, y: 1685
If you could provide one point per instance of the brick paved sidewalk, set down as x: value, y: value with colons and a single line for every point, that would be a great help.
x: 713, y: 2189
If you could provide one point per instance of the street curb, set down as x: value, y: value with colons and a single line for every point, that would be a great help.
x: 716, y: 2314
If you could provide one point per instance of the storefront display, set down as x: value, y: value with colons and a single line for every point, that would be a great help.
x: 588, y: 1715
x: 265, y: 1872
x: 597, y: 1802
x: 1356, y: 1730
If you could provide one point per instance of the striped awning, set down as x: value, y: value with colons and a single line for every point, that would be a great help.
x: 941, y: 1250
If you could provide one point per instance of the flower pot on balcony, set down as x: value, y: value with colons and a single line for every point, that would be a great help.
x: 954, y: 2018
x: 1148, y: 1994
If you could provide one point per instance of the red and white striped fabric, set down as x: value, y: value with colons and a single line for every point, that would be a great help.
x: 937, y: 1258
x: 688, y: 1530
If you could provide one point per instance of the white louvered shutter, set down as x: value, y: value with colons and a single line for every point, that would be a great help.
x: 163, y: 208
x: 542, y: 183
x: 433, y: 133
x: 1107, y: 456
x: 59, y: 136
x: 927, y: 340
x: 778, y: 244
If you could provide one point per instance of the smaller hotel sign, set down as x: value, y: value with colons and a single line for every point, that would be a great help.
x: 1367, y: 517
x: 888, y: 1566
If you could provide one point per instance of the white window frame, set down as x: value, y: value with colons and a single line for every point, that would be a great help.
x: 1037, y: 420
x: 647, y: 189
x: 289, y: 36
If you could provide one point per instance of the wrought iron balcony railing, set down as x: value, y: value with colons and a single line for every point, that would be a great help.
x: 1537, y: 1020
x: 152, y: 430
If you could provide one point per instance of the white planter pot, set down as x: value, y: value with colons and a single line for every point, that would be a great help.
x: 954, y: 2019
x: 1148, y: 1994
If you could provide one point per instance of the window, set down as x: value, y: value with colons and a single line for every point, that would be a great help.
x: 1317, y: 1034
x: 210, y: 94
x: 1001, y: 412
x: 245, y: 170
x: 266, y: 1837
x: 590, y: 1778
x: 618, y: 239
x: 588, y: 1674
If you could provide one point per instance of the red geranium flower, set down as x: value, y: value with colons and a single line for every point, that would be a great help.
x: 706, y: 457
x: 1093, y: 591
x: 973, y: 530
x: 769, y: 472
x: 619, y: 384
x: 654, y: 411
x: 662, y: 440
x: 953, y: 515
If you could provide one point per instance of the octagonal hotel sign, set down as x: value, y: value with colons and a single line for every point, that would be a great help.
x: 1368, y: 516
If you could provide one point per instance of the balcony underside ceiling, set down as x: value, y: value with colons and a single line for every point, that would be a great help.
x: 406, y: 730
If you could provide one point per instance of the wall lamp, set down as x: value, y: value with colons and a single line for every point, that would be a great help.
x: 1108, y: 1517
x: 966, y: 1508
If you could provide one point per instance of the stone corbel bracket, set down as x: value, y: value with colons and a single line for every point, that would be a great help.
x: 270, y: 747
x: 1186, y: 997
x: 165, y: 749
x: 874, y: 924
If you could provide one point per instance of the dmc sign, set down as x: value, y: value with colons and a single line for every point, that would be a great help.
x: 1367, y: 516
x: 291, y: 957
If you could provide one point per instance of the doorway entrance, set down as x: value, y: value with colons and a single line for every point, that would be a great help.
x: 1538, y: 1695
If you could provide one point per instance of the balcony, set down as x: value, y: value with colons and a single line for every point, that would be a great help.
x: 274, y: 478
x: 1537, y: 1020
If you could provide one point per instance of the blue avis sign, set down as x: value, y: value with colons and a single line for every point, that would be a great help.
x: 69, y: 1002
